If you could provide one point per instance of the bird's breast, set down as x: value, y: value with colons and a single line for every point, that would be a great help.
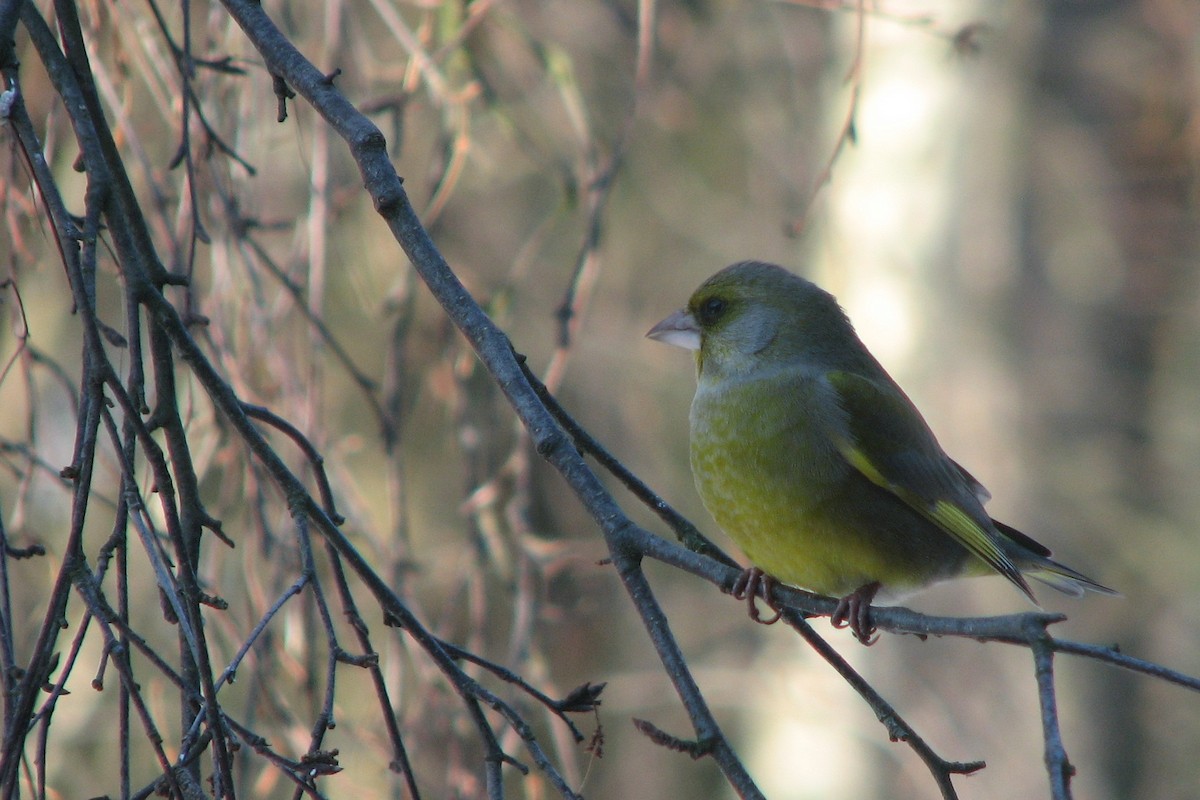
x: 763, y: 455
x: 768, y: 470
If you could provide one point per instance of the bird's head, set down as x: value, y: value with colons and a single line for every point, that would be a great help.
x: 753, y: 315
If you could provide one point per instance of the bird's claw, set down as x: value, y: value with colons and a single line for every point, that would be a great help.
x: 754, y: 583
x: 854, y: 612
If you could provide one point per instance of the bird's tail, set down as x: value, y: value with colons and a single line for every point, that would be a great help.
x: 1033, y: 559
x: 1064, y: 579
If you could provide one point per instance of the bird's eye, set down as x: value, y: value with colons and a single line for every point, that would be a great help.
x: 710, y: 310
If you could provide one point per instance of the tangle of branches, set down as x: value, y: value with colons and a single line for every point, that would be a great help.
x: 251, y: 703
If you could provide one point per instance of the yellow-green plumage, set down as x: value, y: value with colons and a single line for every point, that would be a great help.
x: 816, y: 463
x: 792, y: 503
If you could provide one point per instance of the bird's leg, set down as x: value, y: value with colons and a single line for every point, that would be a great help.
x: 754, y: 583
x: 854, y: 611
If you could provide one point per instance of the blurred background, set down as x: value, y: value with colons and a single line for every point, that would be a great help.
x: 1003, y: 195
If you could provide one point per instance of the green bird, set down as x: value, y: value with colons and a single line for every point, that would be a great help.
x: 819, y: 467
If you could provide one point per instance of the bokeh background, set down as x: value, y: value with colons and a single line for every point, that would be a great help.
x: 1003, y: 195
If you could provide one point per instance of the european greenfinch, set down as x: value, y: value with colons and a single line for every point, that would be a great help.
x: 819, y: 467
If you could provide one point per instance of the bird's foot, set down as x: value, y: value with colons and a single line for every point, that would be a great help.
x: 854, y: 611
x: 754, y: 583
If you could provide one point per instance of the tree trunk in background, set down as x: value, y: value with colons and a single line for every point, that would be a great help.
x: 1037, y: 295
x: 1108, y: 231
x: 1099, y: 283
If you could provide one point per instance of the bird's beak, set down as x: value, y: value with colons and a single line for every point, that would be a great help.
x: 679, y: 329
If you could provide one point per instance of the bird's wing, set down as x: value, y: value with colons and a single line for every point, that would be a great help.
x: 978, y: 489
x: 887, y: 441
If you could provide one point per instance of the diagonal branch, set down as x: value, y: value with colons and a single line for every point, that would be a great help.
x: 369, y: 150
x: 626, y: 542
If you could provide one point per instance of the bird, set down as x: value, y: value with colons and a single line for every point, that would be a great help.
x: 817, y: 464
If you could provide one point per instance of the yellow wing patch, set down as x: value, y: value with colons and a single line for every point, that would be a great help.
x: 946, y: 515
x: 860, y: 462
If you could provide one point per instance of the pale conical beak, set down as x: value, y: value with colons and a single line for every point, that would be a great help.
x: 679, y: 329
